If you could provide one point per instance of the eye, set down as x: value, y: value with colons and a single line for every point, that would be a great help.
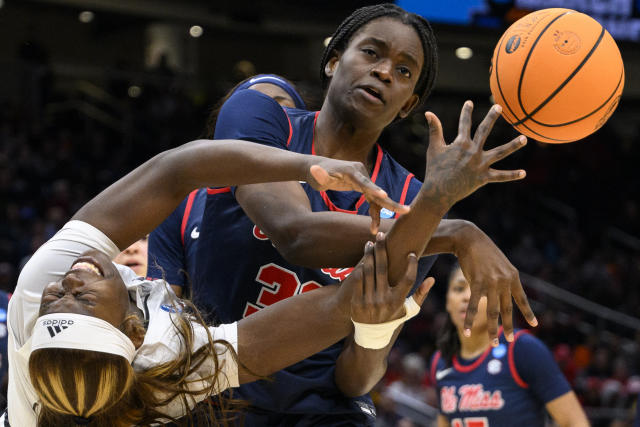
x: 405, y: 71
x: 369, y: 52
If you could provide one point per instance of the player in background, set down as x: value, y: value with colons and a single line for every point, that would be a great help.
x: 512, y: 384
x: 283, y: 239
x: 172, y: 245
x: 135, y: 256
x: 90, y: 343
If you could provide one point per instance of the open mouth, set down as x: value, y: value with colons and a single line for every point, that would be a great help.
x: 373, y: 92
x: 87, y: 264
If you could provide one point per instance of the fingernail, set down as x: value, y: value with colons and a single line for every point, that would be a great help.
x: 467, y: 332
x: 523, y: 140
x: 495, y: 342
x: 411, y: 255
x: 380, y: 235
x: 510, y: 336
x: 369, y: 244
x: 522, y: 174
x: 534, y: 322
x: 498, y: 108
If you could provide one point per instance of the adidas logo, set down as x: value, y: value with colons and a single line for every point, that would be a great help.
x: 56, y: 326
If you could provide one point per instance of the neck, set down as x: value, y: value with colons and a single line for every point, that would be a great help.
x: 338, y: 138
x: 473, y: 346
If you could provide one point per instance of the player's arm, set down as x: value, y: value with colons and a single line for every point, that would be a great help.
x: 443, y: 421
x: 566, y: 411
x: 137, y: 203
x: 298, y: 327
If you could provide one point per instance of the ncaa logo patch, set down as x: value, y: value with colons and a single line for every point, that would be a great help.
x: 386, y: 213
x: 512, y: 44
x: 494, y: 366
x: 499, y: 351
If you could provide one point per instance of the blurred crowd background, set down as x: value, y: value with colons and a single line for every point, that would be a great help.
x: 88, y: 94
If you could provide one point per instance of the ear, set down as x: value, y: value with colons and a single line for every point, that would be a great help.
x: 331, y: 66
x: 408, y: 106
x: 134, y: 329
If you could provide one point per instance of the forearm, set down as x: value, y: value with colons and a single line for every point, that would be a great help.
x: 359, y: 369
x: 149, y: 194
x: 291, y: 330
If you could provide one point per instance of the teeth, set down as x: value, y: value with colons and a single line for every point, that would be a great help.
x: 86, y: 266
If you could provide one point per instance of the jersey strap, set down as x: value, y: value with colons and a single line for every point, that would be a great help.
x: 512, y: 363
x: 187, y: 212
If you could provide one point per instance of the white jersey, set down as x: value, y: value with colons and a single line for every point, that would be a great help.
x: 161, y: 343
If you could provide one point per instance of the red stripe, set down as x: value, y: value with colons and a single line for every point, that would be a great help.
x: 313, y: 138
x: 405, y: 189
x: 512, y: 363
x: 218, y: 190
x: 434, y: 365
x: 290, y: 127
x: 376, y: 168
x: 187, y: 211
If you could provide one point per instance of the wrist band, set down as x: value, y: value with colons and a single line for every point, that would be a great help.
x: 377, y: 335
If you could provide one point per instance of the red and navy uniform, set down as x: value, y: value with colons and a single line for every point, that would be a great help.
x: 239, y: 271
x: 172, y: 245
x: 505, y: 386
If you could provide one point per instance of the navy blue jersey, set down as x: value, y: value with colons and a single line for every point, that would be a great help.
x: 239, y: 271
x: 172, y: 245
x: 505, y: 386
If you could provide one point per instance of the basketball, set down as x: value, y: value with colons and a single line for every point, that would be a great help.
x: 557, y: 74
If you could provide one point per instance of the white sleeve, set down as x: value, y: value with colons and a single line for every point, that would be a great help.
x: 47, y: 265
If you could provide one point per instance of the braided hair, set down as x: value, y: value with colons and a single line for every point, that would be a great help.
x: 345, y: 32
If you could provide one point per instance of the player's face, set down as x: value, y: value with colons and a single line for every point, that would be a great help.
x: 276, y: 92
x: 374, y: 78
x: 458, y: 296
x: 135, y: 257
x: 92, y: 287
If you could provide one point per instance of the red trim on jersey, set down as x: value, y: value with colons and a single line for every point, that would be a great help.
x: 313, y: 138
x: 405, y: 189
x: 479, y: 360
x: 290, y: 127
x: 187, y: 212
x: 434, y: 365
x: 512, y: 363
x: 218, y: 190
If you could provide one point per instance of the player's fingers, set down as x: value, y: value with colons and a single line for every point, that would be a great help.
x: 409, y: 277
x: 493, y: 313
x: 464, y: 125
x: 374, y: 213
x: 472, y: 310
x: 369, y: 274
x: 423, y: 290
x: 485, y: 127
x: 499, y: 153
x: 506, y: 314
x: 380, y: 254
x: 436, y: 137
x: 523, y: 303
x: 496, y: 175
x: 366, y: 267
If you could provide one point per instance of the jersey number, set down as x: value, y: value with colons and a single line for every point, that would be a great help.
x: 278, y: 283
x: 470, y: 422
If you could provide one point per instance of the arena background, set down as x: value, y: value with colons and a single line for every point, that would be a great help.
x: 91, y: 88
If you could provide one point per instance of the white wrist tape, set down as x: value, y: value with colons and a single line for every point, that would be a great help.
x: 377, y: 335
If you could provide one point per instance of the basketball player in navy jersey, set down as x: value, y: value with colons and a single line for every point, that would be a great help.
x: 172, y: 246
x: 263, y: 243
x: 511, y: 384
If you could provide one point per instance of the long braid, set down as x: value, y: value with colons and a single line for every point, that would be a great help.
x: 364, y: 15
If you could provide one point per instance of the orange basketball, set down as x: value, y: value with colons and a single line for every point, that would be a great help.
x: 557, y: 74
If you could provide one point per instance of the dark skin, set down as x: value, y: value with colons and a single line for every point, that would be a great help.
x: 372, y: 83
x: 94, y: 287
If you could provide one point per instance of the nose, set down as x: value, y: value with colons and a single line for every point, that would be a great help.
x: 131, y: 249
x: 71, y: 282
x: 382, y: 70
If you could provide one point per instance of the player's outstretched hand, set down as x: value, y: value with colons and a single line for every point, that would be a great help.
x: 340, y: 175
x: 374, y: 299
x: 458, y: 169
x: 490, y: 273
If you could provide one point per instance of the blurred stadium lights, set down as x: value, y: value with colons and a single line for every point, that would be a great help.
x: 86, y: 16
x: 134, y: 91
x: 1, y: 3
x: 464, y: 52
x: 196, y: 31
